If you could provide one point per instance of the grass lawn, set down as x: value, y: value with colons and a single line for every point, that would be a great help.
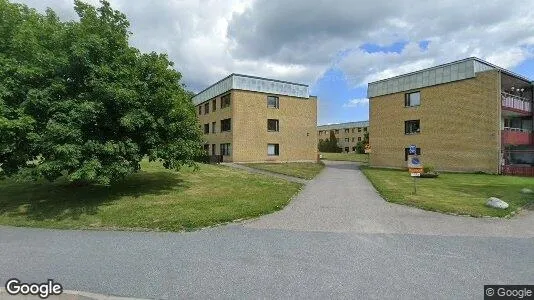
x: 154, y: 199
x: 305, y: 170
x: 453, y: 193
x: 364, y: 158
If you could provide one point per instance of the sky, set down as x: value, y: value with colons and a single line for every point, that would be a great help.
x: 334, y: 48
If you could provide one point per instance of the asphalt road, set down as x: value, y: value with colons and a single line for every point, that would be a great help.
x: 273, y: 258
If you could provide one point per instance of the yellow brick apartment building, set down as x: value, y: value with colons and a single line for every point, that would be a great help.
x: 253, y: 119
x: 347, y: 134
x: 467, y: 115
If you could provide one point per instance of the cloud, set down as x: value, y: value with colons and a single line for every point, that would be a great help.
x: 300, y: 40
x: 357, y: 102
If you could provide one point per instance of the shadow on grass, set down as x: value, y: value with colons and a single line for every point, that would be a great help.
x: 44, y: 200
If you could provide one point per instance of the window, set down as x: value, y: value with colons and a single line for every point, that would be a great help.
x: 352, y: 130
x: 365, y: 129
x: 407, y: 150
x: 272, y: 125
x: 206, y: 128
x: 207, y: 148
x: 273, y: 149
x: 214, y: 106
x: 353, y: 139
x: 347, y: 130
x: 412, y: 99
x: 346, y: 149
x: 213, y: 124
x: 359, y: 129
x: 200, y: 109
x: 411, y: 127
x: 213, y: 149
x: 226, y: 149
x: 207, y: 108
x: 336, y: 131
x: 226, y: 125
x: 273, y: 102
x: 353, y: 149
x: 347, y: 140
x: 225, y: 101
x: 359, y: 139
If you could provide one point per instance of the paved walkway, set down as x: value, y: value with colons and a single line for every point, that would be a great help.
x: 341, y: 199
x: 264, y: 172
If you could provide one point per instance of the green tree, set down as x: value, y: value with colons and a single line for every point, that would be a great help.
x: 330, y: 144
x: 360, y: 146
x: 77, y: 101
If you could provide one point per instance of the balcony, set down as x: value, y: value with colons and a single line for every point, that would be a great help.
x: 516, y: 103
x: 516, y: 136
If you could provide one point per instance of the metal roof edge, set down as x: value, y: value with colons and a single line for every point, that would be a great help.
x: 248, y: 76
x: 473, y: 58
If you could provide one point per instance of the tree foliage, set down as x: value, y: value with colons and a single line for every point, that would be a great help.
x: 329, y: 145
x: 77, y: 101
x: 360, y: 146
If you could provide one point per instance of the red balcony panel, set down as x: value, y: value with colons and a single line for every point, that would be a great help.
x: 517, y: 138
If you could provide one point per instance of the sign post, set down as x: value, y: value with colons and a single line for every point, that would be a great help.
x: 415, y: 167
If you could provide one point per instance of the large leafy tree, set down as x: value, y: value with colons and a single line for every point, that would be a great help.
x: 76, y: 100
x: 330, y: 144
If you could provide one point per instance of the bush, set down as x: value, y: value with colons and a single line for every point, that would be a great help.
x: 428, y: 168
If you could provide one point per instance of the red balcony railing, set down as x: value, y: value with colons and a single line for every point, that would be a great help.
x: 518, y: 170
x: 516, y: 136
x: 516, y: 103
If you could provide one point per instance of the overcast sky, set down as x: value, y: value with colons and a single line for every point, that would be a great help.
x: 336, y: 47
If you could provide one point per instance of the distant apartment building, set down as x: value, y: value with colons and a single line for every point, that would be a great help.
x: 252, y: 119
x: 467, y: 115
x: 347, y: 134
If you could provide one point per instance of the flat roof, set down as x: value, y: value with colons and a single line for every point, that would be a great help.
x: 343, y: 125
x: 444, y: 73
x: 252, y: 83
x: 458, y: 61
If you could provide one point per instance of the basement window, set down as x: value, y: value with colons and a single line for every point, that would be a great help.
x: 273, y: 149
x: 226, y: 149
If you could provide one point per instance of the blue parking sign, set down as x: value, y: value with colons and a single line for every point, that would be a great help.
x: 412, y: 150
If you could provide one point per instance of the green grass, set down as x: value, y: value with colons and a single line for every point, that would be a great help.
x: 464, y: 194
x: 364, y: 158
x: 305, y: 170
x: 154, y: 199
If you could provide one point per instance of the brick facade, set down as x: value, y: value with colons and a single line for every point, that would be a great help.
x: 249, y: 137
x: 459, y: 125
